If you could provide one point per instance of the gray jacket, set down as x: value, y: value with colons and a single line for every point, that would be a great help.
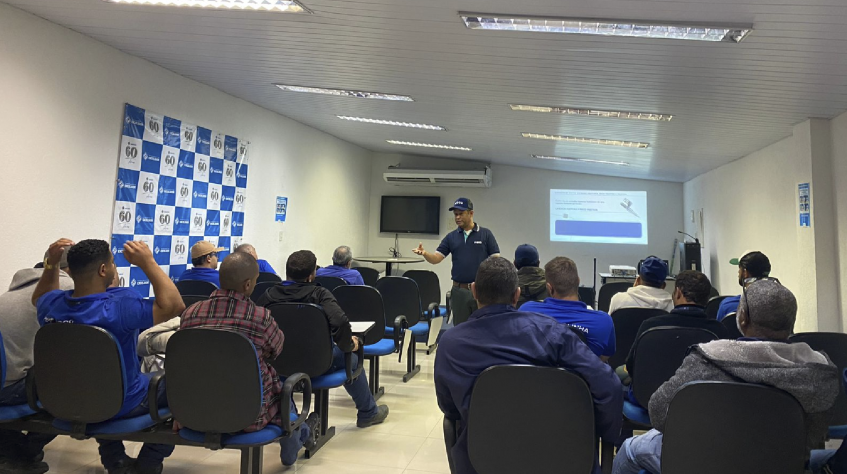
x: 20, y: 323
x: 808, y: 376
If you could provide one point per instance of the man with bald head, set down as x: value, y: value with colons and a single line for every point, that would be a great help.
x: 230, y: 308
x: 264, y: 266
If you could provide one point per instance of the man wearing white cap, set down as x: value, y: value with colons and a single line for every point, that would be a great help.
x: 204, y: 258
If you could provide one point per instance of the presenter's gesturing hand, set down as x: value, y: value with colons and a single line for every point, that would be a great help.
x: 419, y: 250
x: 432, y: 258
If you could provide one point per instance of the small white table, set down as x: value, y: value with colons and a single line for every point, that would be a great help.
x: 361, y: 328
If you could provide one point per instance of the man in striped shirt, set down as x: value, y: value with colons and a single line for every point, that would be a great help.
x: 230, y: 308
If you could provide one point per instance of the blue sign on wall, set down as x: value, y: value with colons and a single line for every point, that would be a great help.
x: 281, y: 208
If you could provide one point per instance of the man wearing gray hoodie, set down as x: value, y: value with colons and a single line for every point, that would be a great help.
x: 22, y: 453
x: 766, y: 316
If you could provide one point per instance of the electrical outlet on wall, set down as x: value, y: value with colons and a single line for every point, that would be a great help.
x: 280, y: 236
x: 692, y: 217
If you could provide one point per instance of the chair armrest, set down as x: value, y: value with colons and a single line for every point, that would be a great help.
x: 296, y: 382
x: 348, y: 362
x: 431, y: 310
x: 400, y: 324
x: 449, y: 312
x: 31, y: 391
x: 153, y: 396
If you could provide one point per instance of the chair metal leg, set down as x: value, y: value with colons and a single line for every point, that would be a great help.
x: 411, y: 367
x: 373, y: 378
x: 327, y: 432
x: 435, y: 325
x: 251, y: 460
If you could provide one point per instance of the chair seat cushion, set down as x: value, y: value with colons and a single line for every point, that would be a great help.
x: 329, y: 380
x: 16, y: 412
x: 123, y: 425
x: 267, y: 435
x: 381, y: 348
x: 838, y: 432
x: 442, y: 311
x: 635, y: 413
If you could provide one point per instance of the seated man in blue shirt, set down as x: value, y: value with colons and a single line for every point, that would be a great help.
x: 264, y: 266
x: 204, y: 258
x: 564, y: 306
x: 752, y: 266
x: 122, y: 312
x: 342, y: 260
x: 498, y: 334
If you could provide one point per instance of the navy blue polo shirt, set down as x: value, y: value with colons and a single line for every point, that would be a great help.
x: 467, y: 255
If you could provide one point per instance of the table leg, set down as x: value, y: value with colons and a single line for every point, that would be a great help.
x: 387, y: 268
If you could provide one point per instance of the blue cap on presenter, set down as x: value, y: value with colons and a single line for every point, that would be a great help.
x: 462, y: 204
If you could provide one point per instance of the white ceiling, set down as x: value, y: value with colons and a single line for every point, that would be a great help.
x: 728, y: 99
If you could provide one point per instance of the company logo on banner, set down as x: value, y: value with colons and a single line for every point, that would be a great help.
x: 177, y: 184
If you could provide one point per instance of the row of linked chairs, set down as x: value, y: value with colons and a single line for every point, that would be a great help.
x: 711, y: 427
x: 405, y: 311
x: 78, y: 384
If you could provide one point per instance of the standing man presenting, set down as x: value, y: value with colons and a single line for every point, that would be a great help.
x: 470, y: 245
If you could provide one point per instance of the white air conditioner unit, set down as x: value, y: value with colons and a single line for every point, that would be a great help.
x: 466, y: 179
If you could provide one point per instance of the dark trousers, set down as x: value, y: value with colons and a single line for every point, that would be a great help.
x: 112, y: 452
x: 15, y: 445
x: 462, y: 304
x: 358, y: 390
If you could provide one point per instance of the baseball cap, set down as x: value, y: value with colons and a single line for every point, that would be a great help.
x: 462, y: 204
x: 526, y: 256
x: 64, y: 262
x: 204, y: 247
x: 754, y: 262
x: 653, y: 269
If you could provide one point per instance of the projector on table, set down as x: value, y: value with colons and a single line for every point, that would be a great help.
x: 624, y: 271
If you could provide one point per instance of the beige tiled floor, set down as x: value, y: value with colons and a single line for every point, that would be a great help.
x: 409, y: 442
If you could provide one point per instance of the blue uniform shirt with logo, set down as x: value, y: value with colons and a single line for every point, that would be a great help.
x: 597, y: 326
x: 122, y: 312
x: 264, y: 267
x: 468, y: 253
x: 202, y: 274
x: 501, y: 335
x: 352, y: 277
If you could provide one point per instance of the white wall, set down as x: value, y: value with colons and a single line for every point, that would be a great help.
x: 516, y: 209
x: 751, y: 204
x: 838, y: 133
x: 62, y: 97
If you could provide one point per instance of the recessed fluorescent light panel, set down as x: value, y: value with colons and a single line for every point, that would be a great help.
x: 429, y: 145
x: 345, y: 93
x: 422, y: 126
x: 590, y: 141
x: 580, y: 160
x: 288, y: 6
x: 630, y: 29
x: 593, y: 113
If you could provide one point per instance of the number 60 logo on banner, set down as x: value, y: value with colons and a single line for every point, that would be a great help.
x: 177, y: 184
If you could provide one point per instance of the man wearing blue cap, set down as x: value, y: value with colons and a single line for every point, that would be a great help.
x: 649, y: 289
x: 470, y: 245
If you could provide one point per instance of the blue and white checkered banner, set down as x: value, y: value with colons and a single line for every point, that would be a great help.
x: 177, y: 184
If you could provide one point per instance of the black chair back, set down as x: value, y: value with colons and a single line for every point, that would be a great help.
x: 711, y: 425
x: 627, y: 321
x: 609, y: 290
x: 834, y: 344
x: 268, y: 277
x: 714, y: 293
x: 658, y: 354
x: 363, y: 303
x: 401, y: 298
x: 556, y: 430
x: 260, y: 289
x: 79, y: 372
x: 369, y: 275
x: 587, y: 295
x: 229, y: 376
x: 713, y: 306
x: 329, y: 282
x: 189, y: 300
x: 308, y: 339
x: 732, y: 331
x: 195, y: 287
x: 428, y: 285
